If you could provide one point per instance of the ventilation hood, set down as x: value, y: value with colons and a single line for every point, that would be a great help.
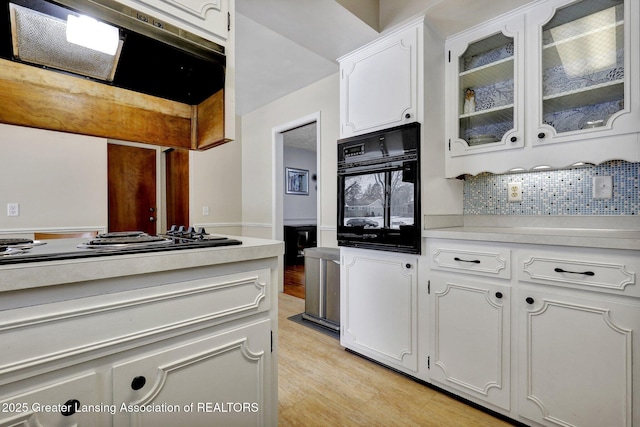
x: 142, y: 53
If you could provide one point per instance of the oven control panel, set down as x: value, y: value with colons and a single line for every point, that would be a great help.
x: 353, y: 150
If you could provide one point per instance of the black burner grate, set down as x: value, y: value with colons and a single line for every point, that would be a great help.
x: 15, y: 241
x: 126, y: 240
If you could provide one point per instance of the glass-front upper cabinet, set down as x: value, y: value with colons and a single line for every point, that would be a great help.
x: 485, y: 90
x: 584, y: 63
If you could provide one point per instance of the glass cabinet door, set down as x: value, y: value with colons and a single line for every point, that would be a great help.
x: 486, y: 95
x: 583, y: 66
x: 485, y: 87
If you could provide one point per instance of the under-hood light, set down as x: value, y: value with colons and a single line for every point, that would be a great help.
x: 85, y: 31
x: 42, y: 39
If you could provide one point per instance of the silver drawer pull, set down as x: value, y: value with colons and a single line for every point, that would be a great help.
x: 474, y: 261
x: 586, y: 273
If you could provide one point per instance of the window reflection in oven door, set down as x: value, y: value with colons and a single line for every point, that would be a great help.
x: 379, y: 208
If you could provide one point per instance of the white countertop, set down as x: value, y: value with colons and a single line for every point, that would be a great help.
x: 49, y: 273
x: 581, y: 237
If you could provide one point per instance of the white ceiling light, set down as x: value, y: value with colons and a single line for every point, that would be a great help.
x: 85, y: 31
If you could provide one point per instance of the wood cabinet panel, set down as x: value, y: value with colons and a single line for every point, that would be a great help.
x: 209, y: 126
x: 48, y: 100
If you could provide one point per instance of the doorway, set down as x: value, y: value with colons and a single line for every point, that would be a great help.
x: 131, y: 188
x: 148, y: 187
x: 176, y: 163
x: 297, y: 154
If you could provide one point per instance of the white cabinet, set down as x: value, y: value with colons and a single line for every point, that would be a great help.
x: 576, y: 359
x: 162, y: 341
x: 546, y: 335
x: 576, y: 68
x: 224, y: 376
x: 207, y: 18
x: 470, y: 320
x: 379, y: 306
x: 471, y: 337
x: 380, y: 83
x: 578, y: 318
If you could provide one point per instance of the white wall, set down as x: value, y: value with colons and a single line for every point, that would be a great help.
x: 257, y: 156
x: 300, y: 209
x: 440, y: 196
x: 59, y: 180
x: 216, y: 183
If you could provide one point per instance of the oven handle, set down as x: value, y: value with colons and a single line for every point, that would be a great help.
x: 373, y: 168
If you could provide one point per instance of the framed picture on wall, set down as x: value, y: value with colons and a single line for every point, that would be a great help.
x: 297, y: 181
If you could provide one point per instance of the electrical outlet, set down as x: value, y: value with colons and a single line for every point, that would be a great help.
x: 205, y: 210
x: 13, y: 209
x: 602, y: 187
x: 514, y: 192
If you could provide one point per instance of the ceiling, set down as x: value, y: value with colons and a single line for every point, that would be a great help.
x: 285, y: 45
x: 303, y: 137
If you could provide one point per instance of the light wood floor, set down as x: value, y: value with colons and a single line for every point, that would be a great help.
x: 321, y: 384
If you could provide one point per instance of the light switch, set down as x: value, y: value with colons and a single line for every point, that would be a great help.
x: 602, y: 187
x: 13, y: 209
x: 514, y: 192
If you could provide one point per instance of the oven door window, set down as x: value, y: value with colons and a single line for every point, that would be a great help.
x: 380, y: 200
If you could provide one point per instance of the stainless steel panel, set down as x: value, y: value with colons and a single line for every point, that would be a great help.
x: 322, y: 285
x: 312, y: 268
x: 332, y: 281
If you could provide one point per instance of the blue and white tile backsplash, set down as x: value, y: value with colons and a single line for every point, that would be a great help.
x: 557, y: 192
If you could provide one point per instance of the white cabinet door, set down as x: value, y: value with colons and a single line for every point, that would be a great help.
x: 576, y: 360
x: 585, y: 56
x: 470, y: 324
x: 226, y: 377
x: 69, y: 401
x: 379, y: 83
x: 485, y: 89
x: 378, y: 307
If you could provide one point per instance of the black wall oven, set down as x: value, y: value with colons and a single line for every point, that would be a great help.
x: 379, y: 190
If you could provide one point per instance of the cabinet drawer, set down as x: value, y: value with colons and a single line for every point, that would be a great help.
x: 593, y: 271
x: 108, y: 323
x: 471, y: 259
x: 66, y: 402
